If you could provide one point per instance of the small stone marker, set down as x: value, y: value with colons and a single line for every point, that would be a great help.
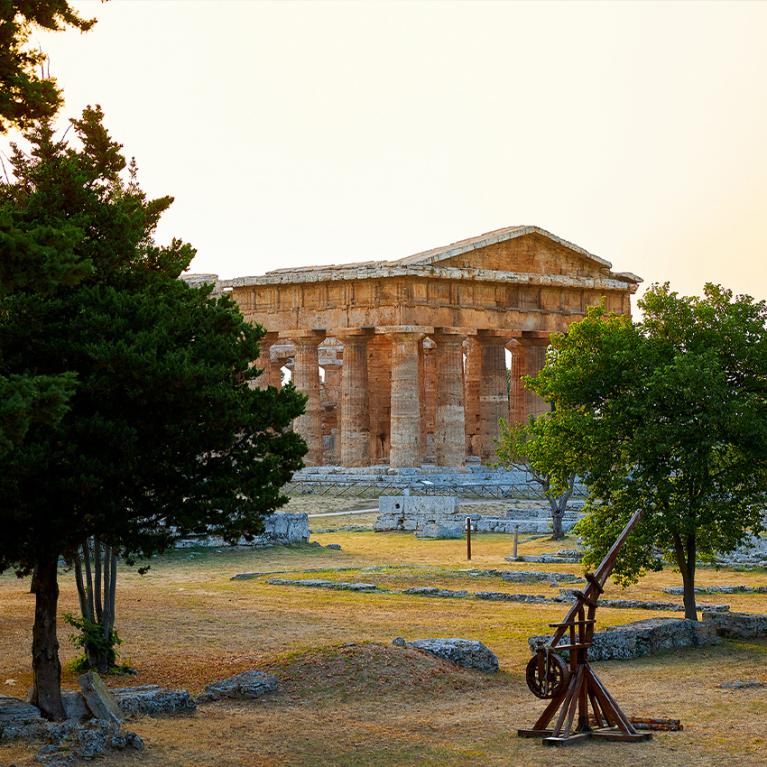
x: 99, y: 699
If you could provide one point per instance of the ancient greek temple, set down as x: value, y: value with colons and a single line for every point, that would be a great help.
x: 415, y: 361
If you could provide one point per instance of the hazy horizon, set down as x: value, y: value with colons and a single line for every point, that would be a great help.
x: 294, y: 134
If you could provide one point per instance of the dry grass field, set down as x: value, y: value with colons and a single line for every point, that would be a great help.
x: 348, y: 698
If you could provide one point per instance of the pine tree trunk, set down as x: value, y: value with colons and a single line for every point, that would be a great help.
x: 46, y: 667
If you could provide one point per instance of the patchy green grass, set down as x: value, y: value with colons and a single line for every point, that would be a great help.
x: 349, y: 698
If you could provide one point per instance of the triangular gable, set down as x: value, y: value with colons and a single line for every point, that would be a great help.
x: 536, y: 255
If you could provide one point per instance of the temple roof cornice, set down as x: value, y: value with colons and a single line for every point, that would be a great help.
x: 622, y: 281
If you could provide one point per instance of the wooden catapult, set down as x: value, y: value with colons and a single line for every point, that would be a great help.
x: 580, y: 702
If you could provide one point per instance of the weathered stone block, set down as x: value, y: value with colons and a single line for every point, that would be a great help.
x: 468, y: 653
x: 737, y: 625
x: 247, y: 685
x: 75, y: 706
x: 432, y: 529
x: 153, y: 700
x: 100, y: 700
x: 636, y: 640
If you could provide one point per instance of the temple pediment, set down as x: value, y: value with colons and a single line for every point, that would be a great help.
x: 517, y: 249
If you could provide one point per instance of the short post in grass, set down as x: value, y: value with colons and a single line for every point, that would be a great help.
x: 516, y: 542
x: 468, y: 538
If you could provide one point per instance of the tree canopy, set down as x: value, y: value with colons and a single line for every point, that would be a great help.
x: 27, y: 93
x: 163, y: 432
x: 550, y: 463
x: 668, y: 415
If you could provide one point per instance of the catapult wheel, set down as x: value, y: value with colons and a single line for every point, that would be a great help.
x: 547, y: 674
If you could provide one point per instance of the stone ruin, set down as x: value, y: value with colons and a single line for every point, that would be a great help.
x: 442, y: 516
x: 404, y: 362
x: 280, y: 529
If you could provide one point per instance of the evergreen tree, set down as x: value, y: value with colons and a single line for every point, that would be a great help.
x: 163, y: 434
x: 33, y: 258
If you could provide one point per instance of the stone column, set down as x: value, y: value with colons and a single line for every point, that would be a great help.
x: 379, y: 397
x: 355, y: 399
x: 264, y: 361
x: 535, y: 350
x: 493, y: 394
x: 405, y: 399
x: 471, y: 395
x: 306, y: 378
x: 518, y: 398
x: 449, y: 420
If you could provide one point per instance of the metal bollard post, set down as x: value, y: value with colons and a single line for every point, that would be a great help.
x: 516, y: 541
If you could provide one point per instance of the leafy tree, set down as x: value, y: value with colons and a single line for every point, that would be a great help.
x: 27, y: 95
x: 162, y: 435
x: 668, y: 415
x: 534, y: 448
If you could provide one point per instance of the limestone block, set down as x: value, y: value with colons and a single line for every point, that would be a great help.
x: 100, y: 700
x: 648, y: 637
x: 75, y: 706
x: 153, y: 700
x: 247, y: 685
x: 737, y: 625
x: 441, y: 505
x: 467, y: 653
x: 433, y: 529
x: 19, y: 719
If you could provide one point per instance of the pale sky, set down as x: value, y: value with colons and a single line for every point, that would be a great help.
x: 309, y: 133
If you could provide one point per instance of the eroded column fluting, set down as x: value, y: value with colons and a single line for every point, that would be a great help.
x: 449, y: 419
x: 493, y: 394
x: 405, y: 400
x: 517, y: 391
x: 355, y: 399
x: 535, y: 349
x: 472, y: 377
x: 306, y: 378
x: 264, y: 361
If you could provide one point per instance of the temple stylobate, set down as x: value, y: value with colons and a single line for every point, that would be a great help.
x: 405, y: 362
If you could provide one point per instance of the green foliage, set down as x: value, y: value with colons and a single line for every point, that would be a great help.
x: 668, y: 415
x: 162, y: 433
x: 537, y: 447
x: 90, y: 638
x: 26, y: 94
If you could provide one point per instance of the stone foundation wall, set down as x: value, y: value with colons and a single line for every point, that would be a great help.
x: 737, y: 625
x: 636, y: 640
x: 441, y: 516
x: 281, y: 528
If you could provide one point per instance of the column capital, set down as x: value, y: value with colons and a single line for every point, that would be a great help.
x: 536, y: 335
x: 361, y: 333
x: 486, y: 334
x: 270, y: 337
x: 314, y: 336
